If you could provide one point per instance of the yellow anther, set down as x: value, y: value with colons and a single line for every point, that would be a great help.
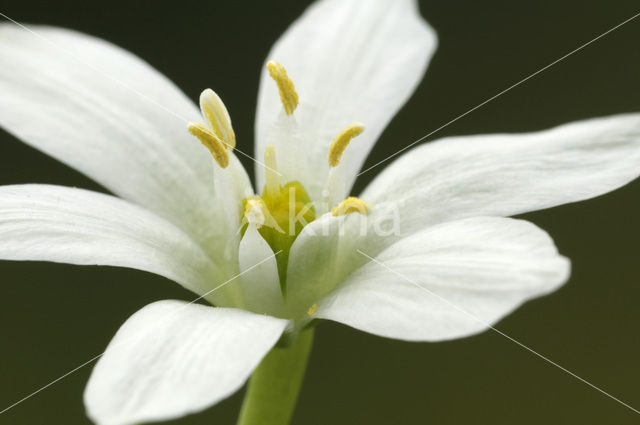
x: 211, y: 141
x: 312, y: 310
x: 257, y: 213
x: 351, y: 205
x: 217, y: 116
x: 340, y: 142
x: 254, y: 212
x: 271, y: 170
x: 288, y: 94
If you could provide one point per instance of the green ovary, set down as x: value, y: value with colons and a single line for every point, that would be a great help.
x: 292, y: 209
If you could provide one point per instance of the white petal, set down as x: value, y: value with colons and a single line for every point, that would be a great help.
x: 109, y: 114
x: 350, y: 60
x: 507, y: 174
x: 54, y: 223
x: 285, y: 135
x: 449, y: 281
x: 259, y: 280
x: 224, y: 217
x: 326, y: 252
x: 313, y: 268
x: 172, y: 358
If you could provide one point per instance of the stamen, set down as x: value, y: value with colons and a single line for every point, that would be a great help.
x: 351, y: 205
x: 217, y: 116
x: 340, y: 142
x: 312, y: 310
x: 271, y: 170
x: 211, y: 141
x: 254, y: 212
x: 288, y: 94
x: 257, y: 213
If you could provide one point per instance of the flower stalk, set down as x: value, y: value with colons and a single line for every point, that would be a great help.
x: 274, y: 386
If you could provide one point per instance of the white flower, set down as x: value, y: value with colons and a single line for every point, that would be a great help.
x: 435, y: 214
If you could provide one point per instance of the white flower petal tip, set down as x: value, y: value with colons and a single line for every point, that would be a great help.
x: 172, y: 358
x: 509, y: 174
x: 449, y: 281
x: 347, y: 58
x: 111, y: 116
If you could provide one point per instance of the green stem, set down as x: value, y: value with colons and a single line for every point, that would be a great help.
x: 274, y: 386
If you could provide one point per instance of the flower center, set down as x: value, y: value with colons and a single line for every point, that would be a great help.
x: 280, y: 214
x: 284, y: 208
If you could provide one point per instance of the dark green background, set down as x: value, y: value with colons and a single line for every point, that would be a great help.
x: 55, y: 317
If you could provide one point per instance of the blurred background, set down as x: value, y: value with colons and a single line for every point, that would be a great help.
x: 55, y: 317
